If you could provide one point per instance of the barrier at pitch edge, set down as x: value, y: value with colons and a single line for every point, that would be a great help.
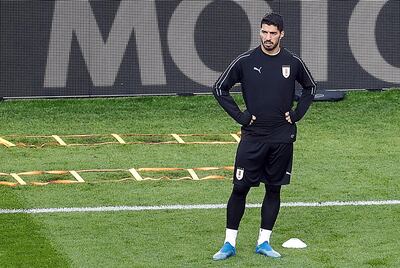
x: 59, y: 141
x: 77, y: 175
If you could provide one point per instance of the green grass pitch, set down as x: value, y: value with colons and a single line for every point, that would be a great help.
x: 346, y: 151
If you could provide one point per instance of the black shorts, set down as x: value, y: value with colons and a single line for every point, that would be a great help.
x: 256, y: 162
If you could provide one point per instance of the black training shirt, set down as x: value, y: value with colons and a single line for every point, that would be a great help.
x: 268, y: 87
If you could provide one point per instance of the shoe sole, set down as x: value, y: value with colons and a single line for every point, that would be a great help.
x: 221, y: 259
x: 265, y: 253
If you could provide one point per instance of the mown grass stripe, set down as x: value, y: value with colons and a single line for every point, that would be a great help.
x: 191, y: 207
x: 24, y: 241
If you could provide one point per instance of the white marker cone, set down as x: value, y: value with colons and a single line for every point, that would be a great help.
x: 294, y: 243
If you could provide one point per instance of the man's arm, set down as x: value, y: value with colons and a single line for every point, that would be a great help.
x: 225, y: 82
x: 307, y: 94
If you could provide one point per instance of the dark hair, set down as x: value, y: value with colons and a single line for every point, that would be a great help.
x: 273, y: 19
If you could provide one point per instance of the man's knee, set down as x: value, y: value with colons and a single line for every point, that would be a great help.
x: 273, y: 191
x: 240, y: 190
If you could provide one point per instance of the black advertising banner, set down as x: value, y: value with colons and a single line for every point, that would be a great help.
x: 130, y: 47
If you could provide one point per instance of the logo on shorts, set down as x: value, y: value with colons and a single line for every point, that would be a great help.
x: 286, y: 71
x: 239, y: 173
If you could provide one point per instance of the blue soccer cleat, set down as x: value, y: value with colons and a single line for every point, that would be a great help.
x: 266, y: 250
x: 225, y: 252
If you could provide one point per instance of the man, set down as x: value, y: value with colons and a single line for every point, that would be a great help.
x: 267, y: 75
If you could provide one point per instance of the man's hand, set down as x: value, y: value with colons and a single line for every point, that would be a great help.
x: 253, y: 118
x: 287, y: 117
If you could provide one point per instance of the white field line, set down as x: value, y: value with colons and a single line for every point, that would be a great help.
x: 191, y: 207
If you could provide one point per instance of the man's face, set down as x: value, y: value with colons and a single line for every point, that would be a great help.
x: 270, y: 36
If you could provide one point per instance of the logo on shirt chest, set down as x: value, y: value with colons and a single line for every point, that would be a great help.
x: 286, y: 71
x: 257, y: 69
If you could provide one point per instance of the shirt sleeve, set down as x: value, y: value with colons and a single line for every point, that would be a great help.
x: 225, y: 82
x: 307, y: 94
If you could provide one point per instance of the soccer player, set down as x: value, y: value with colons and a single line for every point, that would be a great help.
x: 267, y: 75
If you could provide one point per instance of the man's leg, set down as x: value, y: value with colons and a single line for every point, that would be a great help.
x: 269, y: 213
x: 236, y: 206
x: 235, y: 210
x: 270, y: 206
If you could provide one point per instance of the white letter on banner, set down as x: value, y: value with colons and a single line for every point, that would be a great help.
x: 314, y: 37
x: 181, y: 36
x: 363, y: 44
x: 103, y: 59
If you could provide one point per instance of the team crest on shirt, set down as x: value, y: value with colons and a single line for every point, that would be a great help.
x: 286, y: 71
x: 239, y: 173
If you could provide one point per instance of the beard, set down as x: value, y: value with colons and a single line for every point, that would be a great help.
x: 269, y: 46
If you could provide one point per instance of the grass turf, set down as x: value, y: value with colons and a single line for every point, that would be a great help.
x: 347, y: 150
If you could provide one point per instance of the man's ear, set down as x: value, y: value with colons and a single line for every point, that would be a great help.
x: 282, y: 35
